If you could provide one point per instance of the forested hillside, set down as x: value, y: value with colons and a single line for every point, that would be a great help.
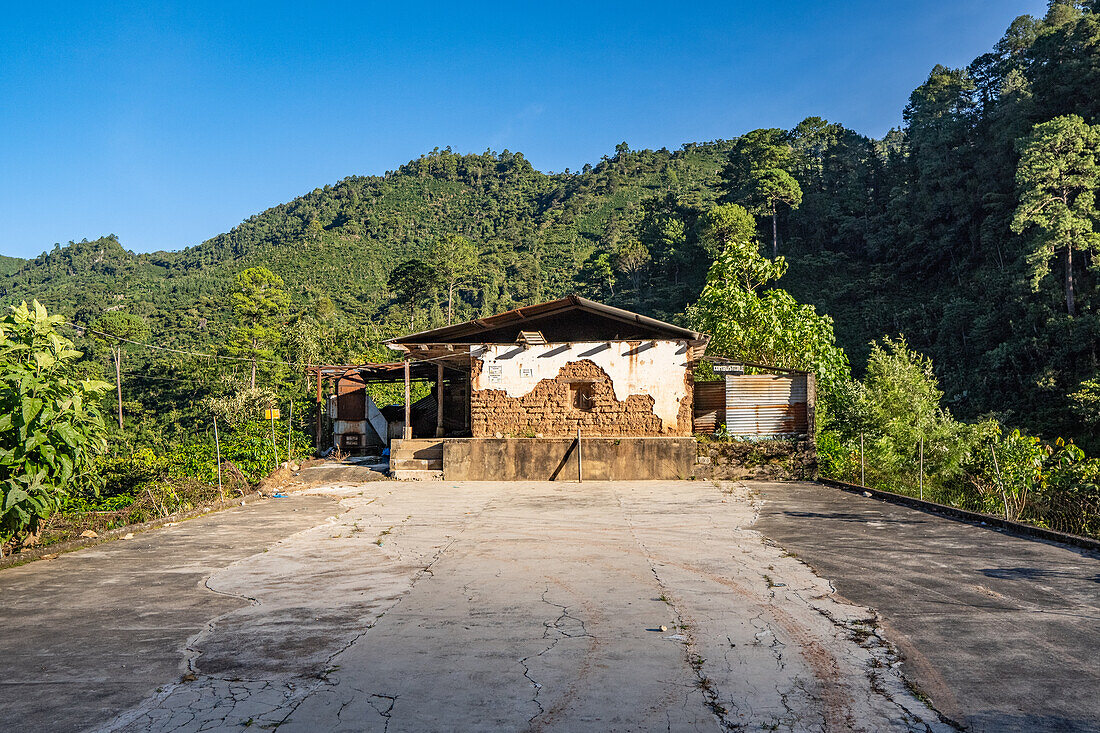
x: 922, y: 234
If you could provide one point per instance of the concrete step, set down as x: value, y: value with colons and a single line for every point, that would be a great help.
x: 418, y: 464
x: 429, y: 454
x: 416, y: 475
x: 419, y: 448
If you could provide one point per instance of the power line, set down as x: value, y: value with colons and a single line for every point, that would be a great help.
x: 203, y: 355
x: 185, y: 352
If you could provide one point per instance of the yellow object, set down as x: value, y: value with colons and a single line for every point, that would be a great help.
x: 271, y: 414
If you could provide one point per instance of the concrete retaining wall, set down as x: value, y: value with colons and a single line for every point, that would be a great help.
x: 555, y: 459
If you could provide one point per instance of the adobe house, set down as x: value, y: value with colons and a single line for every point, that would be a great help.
x: 566, y: 389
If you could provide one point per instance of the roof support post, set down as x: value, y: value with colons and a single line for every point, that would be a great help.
x: 320, y: 412
x: 439, y: 400
x: 408, y: 431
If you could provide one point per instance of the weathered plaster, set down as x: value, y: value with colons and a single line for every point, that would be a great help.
x: 653, y: 368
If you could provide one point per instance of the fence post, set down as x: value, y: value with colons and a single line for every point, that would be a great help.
x: 1000, y: 482
x: 274, y: 445
x: 289, y: 427
x: 921, y: 477
x: 862, y: 464
x: 218, y: 453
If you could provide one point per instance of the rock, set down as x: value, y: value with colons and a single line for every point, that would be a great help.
x: 867, y: 494
x: 127, y: 536
x: 89, y: 533
x: 663, y: 628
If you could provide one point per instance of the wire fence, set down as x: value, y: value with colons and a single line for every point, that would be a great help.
x: 1069, y: 511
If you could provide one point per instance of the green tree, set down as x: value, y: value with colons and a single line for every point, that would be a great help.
x: 51, y: 428
x: 258, y: 301
x: 454, y: 258
x: 116, y: 329
x: 413, y: 282
x: 1057, y: 178
x: 724, y: 225
x: 598, y: 273
x: 632, y: 259
x: 747, y: 322
x: 758, y: 176
x: 898, y: 406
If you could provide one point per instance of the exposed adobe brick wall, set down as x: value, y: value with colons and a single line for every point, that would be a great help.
x: 548, y: 409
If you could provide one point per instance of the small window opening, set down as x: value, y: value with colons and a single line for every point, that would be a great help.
x: 581, y: 396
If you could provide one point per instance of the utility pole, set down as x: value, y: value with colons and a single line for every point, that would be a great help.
x: 118, y: 381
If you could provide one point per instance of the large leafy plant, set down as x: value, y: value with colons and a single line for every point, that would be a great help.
x: 747, y: 318
x: 51, y: 427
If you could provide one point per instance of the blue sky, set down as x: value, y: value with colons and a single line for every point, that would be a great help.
x: 167, y: 123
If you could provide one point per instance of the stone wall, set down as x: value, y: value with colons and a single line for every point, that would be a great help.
x: 548, y: 410
x: 765, y: 460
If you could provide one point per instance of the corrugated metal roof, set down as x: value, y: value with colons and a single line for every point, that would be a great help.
x: 469, y: 330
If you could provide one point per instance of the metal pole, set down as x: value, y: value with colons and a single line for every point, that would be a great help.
x: 580, y: 471
x: 1000, y: 481
x: 862, y: 463
x: 289, y: 424
x: 218, y: 452
x: 439, y: 400
x: 320, y: 412
x: 922, y: 468
x: 407, y: 432
x: 274, y: 445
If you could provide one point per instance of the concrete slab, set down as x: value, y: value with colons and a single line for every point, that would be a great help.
x: 95, y: 631
x: 603, y: 606
x: 999, y: 631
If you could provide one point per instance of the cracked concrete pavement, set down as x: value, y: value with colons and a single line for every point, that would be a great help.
x: 440, y: 606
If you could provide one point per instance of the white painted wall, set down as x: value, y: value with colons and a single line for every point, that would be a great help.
x: 655, y: 368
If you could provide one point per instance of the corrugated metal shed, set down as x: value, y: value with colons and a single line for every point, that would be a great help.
x: 753, y: 404
x: 766, y: 404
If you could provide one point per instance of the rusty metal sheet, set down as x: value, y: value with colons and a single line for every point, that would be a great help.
x: 351, y: 404
x: 766, y: 404
x: 709, y: 406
